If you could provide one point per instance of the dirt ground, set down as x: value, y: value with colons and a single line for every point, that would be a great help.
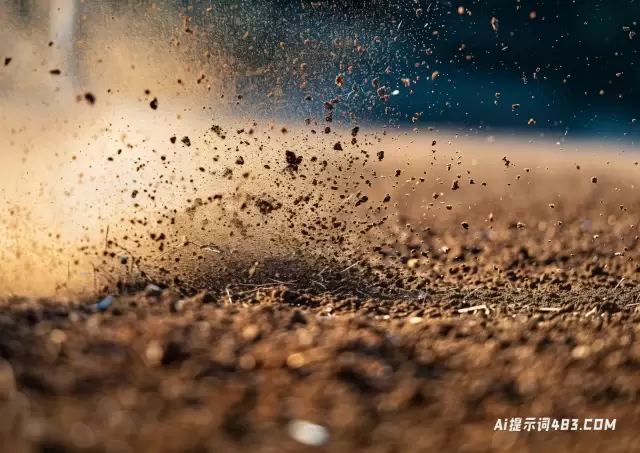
x: 424, y: 352
x: 177, y: 278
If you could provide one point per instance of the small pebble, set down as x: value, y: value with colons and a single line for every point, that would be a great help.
x: 308, y: 433
x: 153, y: 353
x: 105, y: 303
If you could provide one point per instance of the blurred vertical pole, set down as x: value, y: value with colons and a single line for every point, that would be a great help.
x: 62, y: 21
x: 230, y: 86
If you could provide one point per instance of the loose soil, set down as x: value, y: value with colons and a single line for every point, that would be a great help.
x: 424, y: 352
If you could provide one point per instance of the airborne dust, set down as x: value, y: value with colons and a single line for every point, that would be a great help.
x: 276, y: 268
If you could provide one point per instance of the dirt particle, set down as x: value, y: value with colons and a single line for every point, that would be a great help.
x: 154, y: 103
x: 90, y: 98
x: 266, y: 205
x: 218, y: 131
x: 293, y: 161
x: 361, y: 200
x: 594, y: 180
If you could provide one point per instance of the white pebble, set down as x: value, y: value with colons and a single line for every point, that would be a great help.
x: 308, y: 433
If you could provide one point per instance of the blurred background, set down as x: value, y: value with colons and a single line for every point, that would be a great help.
x: 567, y: 66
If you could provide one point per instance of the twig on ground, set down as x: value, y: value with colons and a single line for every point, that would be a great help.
x: 255, y: 285
x: 472, y: 292
x: 357, y: 262
x: 106, y: 238
x: 476, y: 308
x: 211, y: 247
x: 549, y: 309
x: 636, y: 303
x: 322, y: 271
x: 172, y: 249
x: 344, y: 203
x: 318, y: 283
x: 283, y: 283
x: 619, y: 283
x: 229, y: 296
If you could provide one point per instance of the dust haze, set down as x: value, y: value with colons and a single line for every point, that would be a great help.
x: 151, y: 163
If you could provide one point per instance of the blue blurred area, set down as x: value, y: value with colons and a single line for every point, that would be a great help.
x: 568, y: 65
